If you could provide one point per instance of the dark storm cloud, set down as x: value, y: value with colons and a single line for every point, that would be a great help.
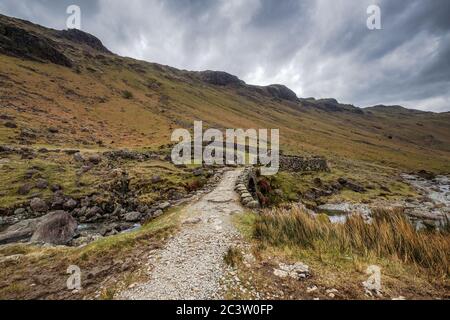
x: 319, y: 48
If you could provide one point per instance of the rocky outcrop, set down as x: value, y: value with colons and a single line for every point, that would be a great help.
x: 19, y: 42
x: 219, y: 78
x: 81, y: 37
x: 302, y: 164
x: 330, y: 105
x: 281, y: 92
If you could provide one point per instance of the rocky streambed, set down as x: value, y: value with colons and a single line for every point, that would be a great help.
x: 63, y: 220
x: 431, y: 209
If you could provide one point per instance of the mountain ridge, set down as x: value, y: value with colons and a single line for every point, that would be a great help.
x: 220, y: 78
x: 102, y: 99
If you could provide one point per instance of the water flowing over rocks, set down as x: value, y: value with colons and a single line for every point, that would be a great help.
x: 434, y: 210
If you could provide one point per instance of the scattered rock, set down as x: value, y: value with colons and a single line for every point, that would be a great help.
x: 19, y: 211
x: 317, y: 182
x: 11, y: 125
x: 351, y: 185
x: 91, y: 212
x: 427, y: 175
x: 38, y: 205
x: 332, y: 292
x: 133, y: 216
x: 164, y: 205
x: 156, y: 179
x: 86, y: 168
x: 157, y: 213
x: 55, y: 187
x: 311, y: 289
x: 42, y: 184
x: 296, y: 271
x: 78, y: 157
x: 193, y: 221
x: 70, y: 204
x: 25, y: 189
x: 94, y: 159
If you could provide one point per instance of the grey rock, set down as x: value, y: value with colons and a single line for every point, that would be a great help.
x: 164, y: 205
x: 78, y: 157
x: 86, y: 168
x: 91, y: 212
x: 156, y: 179
x: 57, y: 228
x: 94, y: 158
x: 55, y: 187
x: 42, y: 184
x: 20, y: 231
x: 25, y: 189
x: 296, y: 271
x: 38, y: 205
x: 58, y: 201
x: 198, y: 172
x: 133, y: 216
x: 253, y: 204
x: 19, y: 211
x: 157, y: 213
x: 70, y: 204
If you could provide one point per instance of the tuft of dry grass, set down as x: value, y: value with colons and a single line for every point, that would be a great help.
x: 233, y: 257
x: 389, y: 235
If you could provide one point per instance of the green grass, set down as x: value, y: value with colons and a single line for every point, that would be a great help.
x: 55, y: 170
x: 373, y: 177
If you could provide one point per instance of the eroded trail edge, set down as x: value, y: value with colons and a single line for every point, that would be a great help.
x: 191, y: 266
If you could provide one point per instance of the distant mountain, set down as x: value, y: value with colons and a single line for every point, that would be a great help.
x: 394, y: 110
x: 64, y: 88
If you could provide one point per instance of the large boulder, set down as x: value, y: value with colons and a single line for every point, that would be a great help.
x: 19, y: 41
x: 38, y: 205
x: 56, y: 228
x: 20, y: 231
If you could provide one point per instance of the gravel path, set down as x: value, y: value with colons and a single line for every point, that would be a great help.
x: 190, y: 266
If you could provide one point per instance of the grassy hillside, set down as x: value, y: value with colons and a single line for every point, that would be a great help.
x: 103, y: 100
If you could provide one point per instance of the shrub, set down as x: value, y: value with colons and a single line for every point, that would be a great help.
x: 127, y: 94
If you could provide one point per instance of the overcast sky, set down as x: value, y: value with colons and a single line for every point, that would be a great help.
x: 318, y: 48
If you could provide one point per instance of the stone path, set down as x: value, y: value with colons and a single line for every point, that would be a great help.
x: 191, y: 265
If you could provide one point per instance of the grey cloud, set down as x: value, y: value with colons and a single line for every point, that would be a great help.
x: 319, y: 48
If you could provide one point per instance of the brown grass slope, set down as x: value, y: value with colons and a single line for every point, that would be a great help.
x: 65, y: 89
